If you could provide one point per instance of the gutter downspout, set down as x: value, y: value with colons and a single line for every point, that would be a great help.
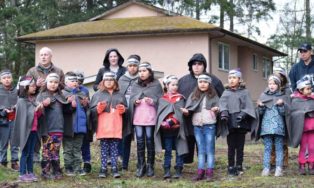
x: 210, y: 50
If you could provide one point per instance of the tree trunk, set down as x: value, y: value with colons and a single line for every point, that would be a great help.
x: 90, y: 4
x: 231, y: 16
x: 222, y: 19
x: 197, y: 9
x: 307, y: 20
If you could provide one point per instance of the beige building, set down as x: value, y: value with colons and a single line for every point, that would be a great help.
x: 164, y: 39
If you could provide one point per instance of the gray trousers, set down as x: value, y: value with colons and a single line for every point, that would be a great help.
x: 6, y: 133
x: 72, y: 152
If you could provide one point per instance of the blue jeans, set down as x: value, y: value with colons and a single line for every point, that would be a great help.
x: 268, y: 142
x: 26, y: 160
x: 170, y: 143
x: 205, y: 139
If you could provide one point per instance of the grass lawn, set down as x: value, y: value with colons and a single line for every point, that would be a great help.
x: 250, y: 178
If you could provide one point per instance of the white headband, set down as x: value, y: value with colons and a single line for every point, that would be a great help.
x: 52, y: 76
x: 204, y: 77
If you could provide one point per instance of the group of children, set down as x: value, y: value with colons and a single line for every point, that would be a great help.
x: 137, y: 104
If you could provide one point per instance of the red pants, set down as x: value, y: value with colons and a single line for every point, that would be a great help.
x: 307, y: 141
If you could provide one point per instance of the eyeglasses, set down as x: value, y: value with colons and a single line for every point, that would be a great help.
x: 303, y: 51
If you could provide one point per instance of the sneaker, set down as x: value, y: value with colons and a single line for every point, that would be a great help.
x: 265, y: 172
x: 80, y: 172
x: 33, y: 177
x: 25, y: 178
x: 46, y: 176
x: 4, y: 164
x: 240, y: 170
x: 15, y: 166
x: 102, y: 173
x: 69, y: 173
x: 278, y: 172
x: 232, y: 171
x: 115, y: 173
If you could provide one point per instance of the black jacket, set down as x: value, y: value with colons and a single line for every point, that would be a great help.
x: 299, y: 70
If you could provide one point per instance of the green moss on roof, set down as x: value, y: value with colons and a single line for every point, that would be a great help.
x: 120, y: 26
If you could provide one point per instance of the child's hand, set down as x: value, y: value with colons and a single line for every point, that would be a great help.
x: 184, y: 111
x: 259, y: 103
x: 279, y: 102
x: 101, y: 106
x: 120, y: 108
x: 84, y: 101
x: 137, y: 102
x: 71, y: 98
x: 39, y: 107
x: 46, y: 102
x: 215, y: 109
x: 148, y: 100
x: 73, y: 104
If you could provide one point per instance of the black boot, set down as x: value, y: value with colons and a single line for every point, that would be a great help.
x: 150, y: 158
x: 178, y: 173
x: 232, y: 171
x: 167, y: 173
x: 141, y: 165
x: 87, y: 167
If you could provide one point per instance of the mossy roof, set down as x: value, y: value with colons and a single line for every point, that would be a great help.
x: 121, y: 26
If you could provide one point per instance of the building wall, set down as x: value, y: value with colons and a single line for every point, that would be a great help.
x: 167, y: 54
x: 133, y: 10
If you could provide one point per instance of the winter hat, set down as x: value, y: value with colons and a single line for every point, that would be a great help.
x: 197, y: 57
x: 275, y: 78
x: 80, y: 76
x: 109, y: 76
x: 52, y: 76
x: 280, y: 70
x: 236, y: 73
x: 204, y: 77
x: 26, y: 81
x: 5, y: 73
x: 303, y: 83
x: 133, y: 60
x: 145, y: 65
x: 70, y: 78
x: 169, y: 78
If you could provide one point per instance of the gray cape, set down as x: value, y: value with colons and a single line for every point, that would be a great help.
x: 299, y: 107
x: 71, y: 115
x: 52, y: 119
x: 8, y: 99
x: 236, y: 101
x: 153, y: 90
x: 25, y: 111
x: 164, y: 109
x: 195, y: 106
x: 269, y: 100
x: 112, y: 101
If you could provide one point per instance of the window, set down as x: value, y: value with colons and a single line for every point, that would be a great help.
x: 266, y: 67
x: 254, y: 62
x: 223, y: 56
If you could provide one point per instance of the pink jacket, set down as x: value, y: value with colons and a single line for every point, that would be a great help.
x: 145, y: 114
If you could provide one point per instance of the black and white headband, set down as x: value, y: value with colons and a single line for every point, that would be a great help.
x: 204, y: 77
x: 52, y: 76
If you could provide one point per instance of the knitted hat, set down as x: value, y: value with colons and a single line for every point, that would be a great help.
x: 303, y: 83
x: 5, y: 72
x: 109, y: 76
x: 52, y: 76
x: 26, y: 81
x: 236, y: 73
x: 145, y: 65
x: 204, y: 77
x: 275, y: 78
x: 280, y: 70
x: 169, y: 78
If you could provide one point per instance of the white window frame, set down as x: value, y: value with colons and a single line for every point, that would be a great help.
x: 224, y: 66
x: 267, y: 69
